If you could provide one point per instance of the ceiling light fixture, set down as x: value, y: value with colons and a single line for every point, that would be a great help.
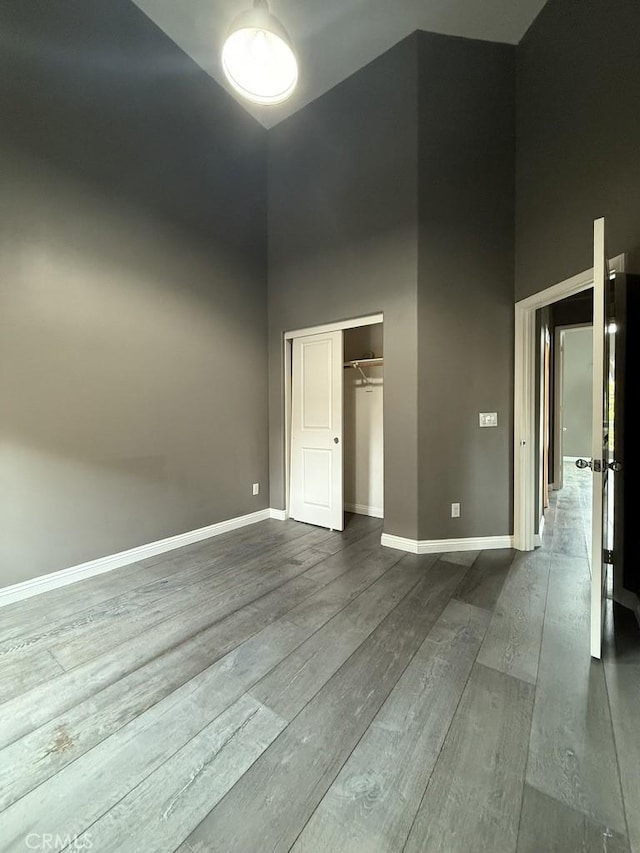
x: 257, y: 57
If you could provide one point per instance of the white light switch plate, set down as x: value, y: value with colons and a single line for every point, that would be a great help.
x: 488, y: 419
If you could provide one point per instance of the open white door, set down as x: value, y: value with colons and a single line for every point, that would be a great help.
x: 316, y: 430
x: 602, y: 433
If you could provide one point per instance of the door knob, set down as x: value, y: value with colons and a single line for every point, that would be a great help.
x: 583, y: 463
x: 336, y: 440
x: 615, y: 466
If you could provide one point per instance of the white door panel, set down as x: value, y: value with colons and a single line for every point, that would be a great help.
x: 316, y: 430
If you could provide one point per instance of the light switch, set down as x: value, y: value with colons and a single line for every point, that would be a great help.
x: 488, y: 419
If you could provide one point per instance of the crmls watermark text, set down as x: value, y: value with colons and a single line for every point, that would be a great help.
x: 56, y: 841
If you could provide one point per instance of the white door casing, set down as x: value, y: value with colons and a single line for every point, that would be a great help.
x: 316, y: 430
x: 598, y: 567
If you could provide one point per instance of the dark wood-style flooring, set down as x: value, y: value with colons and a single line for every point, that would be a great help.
x: 285, y: 688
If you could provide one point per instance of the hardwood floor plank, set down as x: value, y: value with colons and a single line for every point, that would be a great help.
x: 163, y: 658
x: 120, y: 762
x: 38, y: 756
x: 569, y: 540
x: 330, y: 579
x: 372, y: 803
x: 122, y: 617
x: 280, y: 791
x: 473, y: 799
x: 550, y: 826
x: 26, y: 670
x: 23, y: 617
x: 220, y: 597
x: 483, y: 583
x: 230, y: 590
x: 512, y: 642
x: 621, y: 661
x: 164, y: 808
x: 355, y: 527
x: 60, y: 805
x: 203, y: 630
x: 572, y: 755
x: 288, y: 687
x: 367, y: 548
x: 315, y: 611
x: 460, y: 558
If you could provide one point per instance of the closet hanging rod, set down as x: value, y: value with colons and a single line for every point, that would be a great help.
x: 365, y: 362
x: 359, y: 363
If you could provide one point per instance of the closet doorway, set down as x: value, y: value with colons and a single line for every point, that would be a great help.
x: 334, y: 454
x: 363, y: 421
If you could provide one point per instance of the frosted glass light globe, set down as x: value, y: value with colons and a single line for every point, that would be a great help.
x: 257, y: 57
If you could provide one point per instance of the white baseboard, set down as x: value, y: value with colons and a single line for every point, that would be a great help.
x: 537, y: 537
x: 278, y: 514
x: 361, y: 509
x: 443, y: 546
x: 44, y: 583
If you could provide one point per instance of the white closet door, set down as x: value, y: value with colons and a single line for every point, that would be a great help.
x: 316, y: 430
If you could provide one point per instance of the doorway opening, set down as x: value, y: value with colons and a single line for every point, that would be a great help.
x: 527, y: 429
x: 334, y: 426
x: 363, y: 420
x: 573, y: 429
x: 564, y: 407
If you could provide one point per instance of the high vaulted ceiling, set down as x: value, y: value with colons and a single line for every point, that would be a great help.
x: 334, y: 38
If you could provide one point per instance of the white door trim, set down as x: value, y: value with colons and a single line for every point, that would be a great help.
x: 339, y: 326
x: 287, y: 342
x: 524, y: 427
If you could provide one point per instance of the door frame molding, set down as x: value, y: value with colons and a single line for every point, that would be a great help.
x: 524, y: 413
x: 287, y: 341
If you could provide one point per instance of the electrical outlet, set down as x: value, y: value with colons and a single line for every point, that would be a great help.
x: 256, y: 488
x: 455, y: 510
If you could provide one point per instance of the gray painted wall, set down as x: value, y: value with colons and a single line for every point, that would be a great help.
x: 344, y: 241
x: 343, y: 205
x: 577, y: 384
x: 132, y: 275
x: 133, y: 253
x: 465, y: 296
x: 578, y: 138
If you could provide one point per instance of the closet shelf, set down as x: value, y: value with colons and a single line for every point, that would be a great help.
x: 359, y: 363
x: 363, y: 362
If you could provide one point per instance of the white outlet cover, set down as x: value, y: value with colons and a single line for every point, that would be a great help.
x: 488, y: 419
